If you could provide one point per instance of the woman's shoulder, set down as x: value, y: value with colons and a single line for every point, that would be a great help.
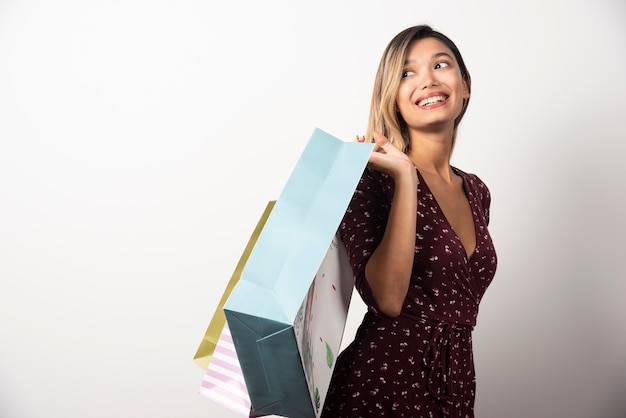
x: 374, y: 186
x: 475, y: 184
x: 375, y: 178
x: 471, y: 179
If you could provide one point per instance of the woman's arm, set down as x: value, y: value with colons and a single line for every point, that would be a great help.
x: 388, y: 271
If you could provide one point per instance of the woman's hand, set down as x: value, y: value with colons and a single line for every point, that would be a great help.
x: 389, y: 159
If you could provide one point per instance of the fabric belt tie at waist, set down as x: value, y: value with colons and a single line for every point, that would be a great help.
x: 438, y: 357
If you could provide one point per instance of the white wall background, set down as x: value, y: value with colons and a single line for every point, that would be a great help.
x: 140, y: 141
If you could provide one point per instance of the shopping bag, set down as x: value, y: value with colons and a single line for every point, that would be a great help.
x: 223, y: 381
x: 297, y: 246
x: 321, y: 319
x: 212, y: 334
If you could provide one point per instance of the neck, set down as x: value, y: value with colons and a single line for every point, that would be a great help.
x: 431, y: 152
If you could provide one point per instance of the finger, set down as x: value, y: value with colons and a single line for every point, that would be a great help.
x: 380, y: 138
x: 381, y: 141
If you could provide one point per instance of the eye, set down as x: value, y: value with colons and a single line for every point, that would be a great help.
x: 441, y: 64
x: 407, y: 73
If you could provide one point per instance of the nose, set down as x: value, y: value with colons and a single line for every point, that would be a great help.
x: 427, y: 80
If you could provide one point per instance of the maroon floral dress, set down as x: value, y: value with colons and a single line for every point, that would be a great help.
x: 419, y: 364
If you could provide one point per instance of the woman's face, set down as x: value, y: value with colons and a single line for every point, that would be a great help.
x: 431, y: 91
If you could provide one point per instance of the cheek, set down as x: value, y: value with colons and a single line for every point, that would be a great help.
x: 461, y: 86
x: 403, y: 97
x: 465, y: 90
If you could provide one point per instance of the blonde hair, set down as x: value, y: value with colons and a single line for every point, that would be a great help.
x: 384, y: 115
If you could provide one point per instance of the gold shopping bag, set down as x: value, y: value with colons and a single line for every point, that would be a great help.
x: 211, y: 336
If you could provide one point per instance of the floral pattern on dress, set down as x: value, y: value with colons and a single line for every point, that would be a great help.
x: 419, y: 364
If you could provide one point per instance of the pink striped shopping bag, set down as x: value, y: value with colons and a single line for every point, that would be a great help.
x: 223, y: 381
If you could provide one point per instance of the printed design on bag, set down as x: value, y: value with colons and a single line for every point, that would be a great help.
x: 305, y: 346
x: 302, y: 329
x: 316, y: 399
x: 330, y: 358
x: 320, y: 321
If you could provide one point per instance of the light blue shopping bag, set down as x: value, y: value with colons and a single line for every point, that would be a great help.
x: 298, y: 237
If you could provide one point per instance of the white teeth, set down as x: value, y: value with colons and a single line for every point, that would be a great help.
x: 431, y: 100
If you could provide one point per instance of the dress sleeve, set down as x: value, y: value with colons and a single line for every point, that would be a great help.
x: 486, y: 202
x: 483, y: 194
x: 363, y: 226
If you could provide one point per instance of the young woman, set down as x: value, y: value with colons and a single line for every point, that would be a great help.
x: 417, y: 238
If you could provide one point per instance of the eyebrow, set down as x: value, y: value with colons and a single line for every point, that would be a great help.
x: 435, y: 56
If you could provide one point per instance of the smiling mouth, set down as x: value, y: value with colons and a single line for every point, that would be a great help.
x: 432, y: 100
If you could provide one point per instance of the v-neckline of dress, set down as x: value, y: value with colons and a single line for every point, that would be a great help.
x: 469, y: 197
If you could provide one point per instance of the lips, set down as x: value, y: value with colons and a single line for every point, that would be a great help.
x: 432, y: 99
